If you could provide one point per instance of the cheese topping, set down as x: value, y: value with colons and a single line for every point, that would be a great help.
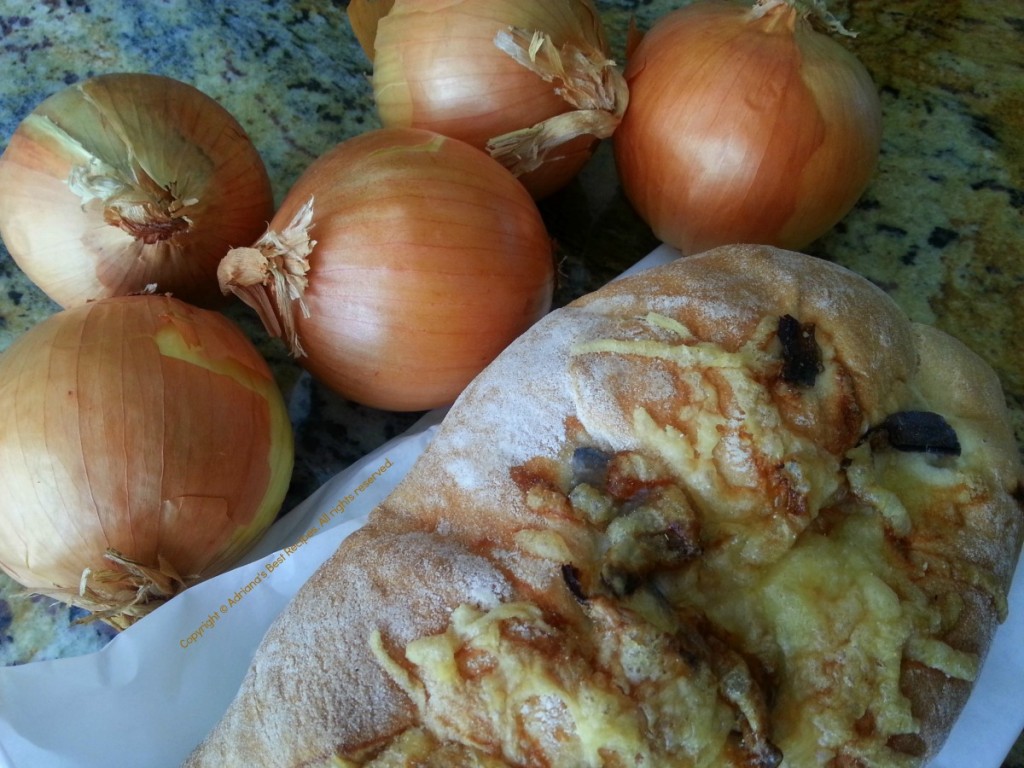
x: 728, y: 438
x: 506, y: 682
x: 746, y: 566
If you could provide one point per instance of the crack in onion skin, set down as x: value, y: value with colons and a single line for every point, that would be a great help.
x: 127, y: 180
x: 745, y: 125
x: 144, y: 446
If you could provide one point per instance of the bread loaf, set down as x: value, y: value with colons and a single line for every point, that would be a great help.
x: 733, y: 511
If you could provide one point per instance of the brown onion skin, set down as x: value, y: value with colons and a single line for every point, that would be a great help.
x: 110, y: 409
x: 430, y: 258
x: 183, y: 138
x: 744, y: 131
x: 494, y: 94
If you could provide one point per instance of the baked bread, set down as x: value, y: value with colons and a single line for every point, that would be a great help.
x: 732, y: 511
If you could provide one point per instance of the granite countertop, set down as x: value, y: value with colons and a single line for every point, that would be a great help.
x: 941, y: 226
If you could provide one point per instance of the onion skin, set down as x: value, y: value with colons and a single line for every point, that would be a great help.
x: 139, y: 425
x: 192, y: 185
x: 429, y: 259
x: 436, y: 67
x: 744, y: 129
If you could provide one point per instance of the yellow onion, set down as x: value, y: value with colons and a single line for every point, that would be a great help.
x: 125, y: 181
x: 428, y: 259
x: 144, y: 446
x: 745, y: 124
x: 528, y: 80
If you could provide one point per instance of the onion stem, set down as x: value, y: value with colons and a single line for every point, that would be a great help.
x: 814, y: 10
x: 586, y: 79
x: 271, y: 276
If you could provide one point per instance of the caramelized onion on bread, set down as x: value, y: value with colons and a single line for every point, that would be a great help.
x: 733, y: 511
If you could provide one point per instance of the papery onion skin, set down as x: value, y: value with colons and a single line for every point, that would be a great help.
x: 742, y: 129
x: 436, y: 67
x: 429, y: 259
x: 166, y: 144
x: 139, y: 425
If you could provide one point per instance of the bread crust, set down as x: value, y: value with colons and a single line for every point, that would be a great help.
x: 315, y: 684
x: 476, y: 520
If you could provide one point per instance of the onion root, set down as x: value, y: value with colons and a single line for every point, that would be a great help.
x: 139, y: 206
x: 123, y: 594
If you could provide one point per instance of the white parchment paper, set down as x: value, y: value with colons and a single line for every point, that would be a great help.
x: 148, y: 697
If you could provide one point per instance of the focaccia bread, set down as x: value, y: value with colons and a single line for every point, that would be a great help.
x: 733, y: 511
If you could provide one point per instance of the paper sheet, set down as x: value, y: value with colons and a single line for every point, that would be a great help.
x: 152, y: 694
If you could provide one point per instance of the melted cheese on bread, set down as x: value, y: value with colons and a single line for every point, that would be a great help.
x: 802, y: 569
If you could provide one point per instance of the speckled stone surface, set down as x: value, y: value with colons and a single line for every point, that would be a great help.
x: 941, y: 226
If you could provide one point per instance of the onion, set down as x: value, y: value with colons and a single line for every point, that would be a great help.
x: 745, y: 125
x: 429, y: 259
x: 124, y: 181
x: 144, y: 446
x: 528, y: 80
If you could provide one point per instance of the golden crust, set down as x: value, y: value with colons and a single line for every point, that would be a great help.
x: 952, y: 380
x: 315, y: 685
x: 645, y: 370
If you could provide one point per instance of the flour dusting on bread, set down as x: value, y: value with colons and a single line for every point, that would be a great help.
x: 734, y: 511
